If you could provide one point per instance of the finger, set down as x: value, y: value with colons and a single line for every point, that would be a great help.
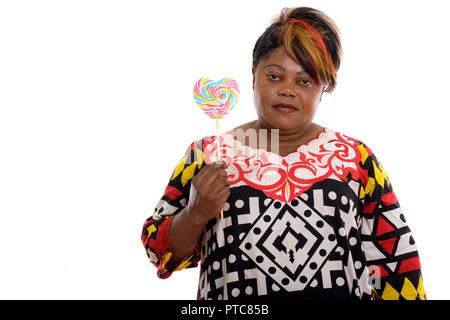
x: 223, y: 194
x: 205, y: 170
x: 203, y: 174
x: 219, y: 184
x: 211, y: 169
x: 221, y: 163
x: 214, y: 174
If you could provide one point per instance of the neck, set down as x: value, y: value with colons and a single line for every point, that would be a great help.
x: 287, y: 136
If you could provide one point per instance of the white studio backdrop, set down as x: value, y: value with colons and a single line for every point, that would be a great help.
x: 96, y: 110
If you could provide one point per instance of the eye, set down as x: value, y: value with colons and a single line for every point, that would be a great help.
x: 306, y: 83
x: 273, y: 76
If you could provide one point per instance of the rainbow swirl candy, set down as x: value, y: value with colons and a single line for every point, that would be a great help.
x: 216, y: 99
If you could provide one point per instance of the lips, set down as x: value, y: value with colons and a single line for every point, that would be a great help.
x: 285, y: 108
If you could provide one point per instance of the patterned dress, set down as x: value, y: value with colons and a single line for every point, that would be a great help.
x: 320, y: 222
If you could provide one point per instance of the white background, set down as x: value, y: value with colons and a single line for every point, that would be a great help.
x: 96, y: 110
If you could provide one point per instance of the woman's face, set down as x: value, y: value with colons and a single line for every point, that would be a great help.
x: 286, y: 97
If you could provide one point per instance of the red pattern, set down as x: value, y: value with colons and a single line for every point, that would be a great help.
x: 285, y: 178
x: 389, y: 198
x: 383, y: 227
x: 388, y: 244
x: 172, y: 192
x: 409, y: 265
x: 369, y: 207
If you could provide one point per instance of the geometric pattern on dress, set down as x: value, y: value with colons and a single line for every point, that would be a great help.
x: 295, y: 246
x: 340, y: 202
x: 390, y: 249
x: 407, y: 291
x: 288, y: 244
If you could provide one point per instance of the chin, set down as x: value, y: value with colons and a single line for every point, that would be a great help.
x: 285, y: 123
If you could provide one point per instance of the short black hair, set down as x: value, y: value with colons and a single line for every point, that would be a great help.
x: 309, y: 37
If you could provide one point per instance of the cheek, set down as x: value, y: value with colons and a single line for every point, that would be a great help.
x: 256, y: 98
x: 258, y: 103
x: 311, y: 99
x: 261, y: 100
x: 257, y: 94
x: 316, y: 101
x: 262, y: 94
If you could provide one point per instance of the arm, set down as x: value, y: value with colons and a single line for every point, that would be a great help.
x: 184, y: 234
x: 387, y: 241
x: 195, y: 194
x: 208, y: 193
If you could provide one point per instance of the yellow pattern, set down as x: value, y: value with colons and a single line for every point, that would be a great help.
x: 364, y: 153
x: 421, y: 289
x: 408, y: 291
x: 184, y: 264
x: 361, y: 192
x: 383, y: 173
x: 179, y: 167
x: 200, y: 157
x: 165, y: 259
x: 150, y: 230
x: 370, y: 187
x: 188, y: 173
x: 378, y: 175
x: 390, y: 293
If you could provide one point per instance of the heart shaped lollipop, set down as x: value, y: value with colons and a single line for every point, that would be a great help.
x: 216, y: 99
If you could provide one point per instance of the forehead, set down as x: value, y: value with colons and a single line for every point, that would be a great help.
x: 280, y: 57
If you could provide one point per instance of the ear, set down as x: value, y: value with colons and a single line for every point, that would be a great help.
x: 253, y: 82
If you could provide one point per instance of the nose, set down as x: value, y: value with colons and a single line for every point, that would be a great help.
x: 286, y: 89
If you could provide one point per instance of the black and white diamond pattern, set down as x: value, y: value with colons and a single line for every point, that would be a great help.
x: 289, y: 246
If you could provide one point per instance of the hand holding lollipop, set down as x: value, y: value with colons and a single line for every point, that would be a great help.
x: 216, y: 99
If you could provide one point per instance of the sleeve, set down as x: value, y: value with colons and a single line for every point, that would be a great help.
x: 155, y: 232
x: 390, y: 250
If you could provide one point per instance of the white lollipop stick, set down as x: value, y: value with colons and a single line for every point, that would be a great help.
x: 218, y: 154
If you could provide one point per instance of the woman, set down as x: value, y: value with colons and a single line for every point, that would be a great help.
x: 317, y: 218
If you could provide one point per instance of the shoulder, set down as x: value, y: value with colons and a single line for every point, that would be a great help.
x: 335, y: 133
x: 365, y: 154
x: 244, y: 126
x: 355, y: 141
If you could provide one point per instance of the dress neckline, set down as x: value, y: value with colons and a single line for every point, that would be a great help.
x: 318, y: 137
